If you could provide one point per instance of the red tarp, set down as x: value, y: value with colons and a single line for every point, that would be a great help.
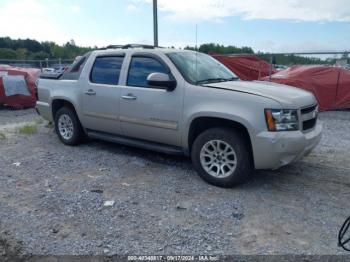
x: 246, y: 67
x: 19, y: 101
x: 330, y: 85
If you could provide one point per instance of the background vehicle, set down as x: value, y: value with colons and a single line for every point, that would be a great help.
x: 181, y: 102
x: 48, y: 70
x: 60, y: 69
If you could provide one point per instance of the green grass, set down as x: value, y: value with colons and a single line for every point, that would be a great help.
x: 2, y: 136
x: 27, y: 129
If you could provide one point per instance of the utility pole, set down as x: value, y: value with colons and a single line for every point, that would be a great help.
x: 155, y: 22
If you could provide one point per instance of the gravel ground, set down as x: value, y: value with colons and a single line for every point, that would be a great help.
x: 52, y: 199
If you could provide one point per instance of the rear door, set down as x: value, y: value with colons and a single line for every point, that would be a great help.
x: 101, y: 93
x: 147, y: 113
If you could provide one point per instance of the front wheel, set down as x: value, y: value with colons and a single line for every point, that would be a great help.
x: 68, y: 127
x: 221, y: 157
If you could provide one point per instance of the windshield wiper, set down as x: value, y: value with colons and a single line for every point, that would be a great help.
x: 231, y: 79
x: 215, y: 80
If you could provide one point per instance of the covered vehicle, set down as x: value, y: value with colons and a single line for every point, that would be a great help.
x: 330, y: 85
x: 17, y: 86
x: 246, y: 67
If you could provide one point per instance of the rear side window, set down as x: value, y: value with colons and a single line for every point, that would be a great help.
x: 74, y: 71
x: 106, y: 70
x: 141, y: 67
x: 77, y: 65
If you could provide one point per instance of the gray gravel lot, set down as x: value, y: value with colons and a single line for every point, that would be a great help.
x: 52, y: 199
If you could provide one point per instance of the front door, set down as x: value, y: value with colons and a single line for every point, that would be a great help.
x: 147, y: 113
x: 101, y: 95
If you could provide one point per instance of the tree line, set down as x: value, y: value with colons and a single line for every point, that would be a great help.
x: 24, y: 49
x: 278, y: 59
x: 221, y: 49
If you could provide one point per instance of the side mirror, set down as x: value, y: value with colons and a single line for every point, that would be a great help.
x: 161, y: 80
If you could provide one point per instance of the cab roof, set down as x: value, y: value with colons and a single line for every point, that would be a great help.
x: 131, y: 48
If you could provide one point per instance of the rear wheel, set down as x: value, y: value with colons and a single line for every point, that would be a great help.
x: 68, y: 127
x: 221, y: 157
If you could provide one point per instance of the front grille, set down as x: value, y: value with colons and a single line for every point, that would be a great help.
x: 308, y: 109
x: 309, y: 117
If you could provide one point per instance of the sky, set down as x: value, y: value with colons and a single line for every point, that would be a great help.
x: 264, y: 25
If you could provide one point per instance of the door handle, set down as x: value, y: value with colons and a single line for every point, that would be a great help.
x: 90, y: 92
x: 129, y: 97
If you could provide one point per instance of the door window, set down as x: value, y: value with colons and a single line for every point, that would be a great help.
x: 106, y: 70
x: 141, y: 67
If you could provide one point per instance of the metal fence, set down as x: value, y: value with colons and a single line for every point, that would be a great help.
x: 41, y: 64
x: 338, y: 59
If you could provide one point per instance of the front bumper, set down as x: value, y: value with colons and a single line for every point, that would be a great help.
x: 275, y: 149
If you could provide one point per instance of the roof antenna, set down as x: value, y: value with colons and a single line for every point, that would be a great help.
x: 196, y: 37
x: 196, y: 49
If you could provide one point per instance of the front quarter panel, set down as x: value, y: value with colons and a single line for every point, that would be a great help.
x: 246, y: 109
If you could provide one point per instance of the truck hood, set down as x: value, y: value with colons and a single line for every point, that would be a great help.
x: 288, y: 96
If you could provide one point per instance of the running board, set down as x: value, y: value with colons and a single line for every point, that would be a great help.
x: 171, y: 150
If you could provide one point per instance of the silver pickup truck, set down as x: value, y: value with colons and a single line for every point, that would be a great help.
x: 181, y: 102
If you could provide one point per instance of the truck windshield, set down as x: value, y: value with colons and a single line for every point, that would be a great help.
x: 198, y: 68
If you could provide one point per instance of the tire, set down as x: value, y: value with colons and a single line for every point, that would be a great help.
x: 214, y: 165
x: 68, y: 127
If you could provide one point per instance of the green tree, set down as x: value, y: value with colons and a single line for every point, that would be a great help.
x: 6, y: 53
x: 39, y: 50
x: 59, y: 52
x: 40, y: 55
x: 6, y: 42
x: 47, y: 47
x: 22, y: 53
x: 31, y: 45
x: 221, y: 49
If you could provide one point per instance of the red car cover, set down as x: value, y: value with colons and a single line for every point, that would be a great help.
x: 330, y: 85
x: 343, y: 90
x: 246, y: 67
x: 19, y: 101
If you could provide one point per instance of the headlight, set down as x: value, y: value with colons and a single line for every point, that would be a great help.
x: 282, y: 119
